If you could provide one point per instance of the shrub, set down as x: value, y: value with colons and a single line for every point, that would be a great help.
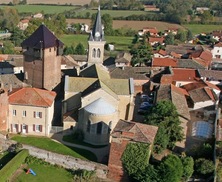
x: 13, y: 165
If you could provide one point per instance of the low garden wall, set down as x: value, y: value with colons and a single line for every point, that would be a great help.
x: 65, y: 161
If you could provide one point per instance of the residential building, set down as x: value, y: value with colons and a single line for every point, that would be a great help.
x: 123, y: 59
x: 126, y: 132
x: 23, y: 24
x: 217, y: 50
x: 42, y: 59
x: 31, y: 111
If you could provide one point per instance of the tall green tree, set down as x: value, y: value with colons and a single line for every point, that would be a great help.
x: 135, y: 160
x: 169, y: 39
x: 204, y: 166
x: 164, y: 114
x: 80, y: 50
x: 170, y: 169
x: 17, y: 36
x: 188, y: 167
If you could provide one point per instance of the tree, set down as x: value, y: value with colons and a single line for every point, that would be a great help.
x: 189, y: 35
x: 181, y: 35
x: 170, y: 169
x: 135, y: 160
x: 206, y: 17
x: 141, y: 54
x: 107, y: 21
x: 8, y: 48
x: 169, y: 40
x: 188, y: 167
x: 164, y: 114
x: 204, y: 166
x: 80, y: 50
x: 68, y: 50
x: 17, y: 36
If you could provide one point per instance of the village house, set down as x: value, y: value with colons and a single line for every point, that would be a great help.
x: 156, y: 40
x: 23, y: 24
x: 151, y: 8
x: 151, y: 30
x: 126, y: 132
x: 31, y: 111
x: 123, y: 59
x: 160, y: 54
x: 217, y: 50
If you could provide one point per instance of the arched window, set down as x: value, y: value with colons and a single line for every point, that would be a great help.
x: 94, y: 53
x: 98, y: 53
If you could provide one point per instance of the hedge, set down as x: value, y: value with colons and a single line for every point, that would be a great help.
x: 7, y: 171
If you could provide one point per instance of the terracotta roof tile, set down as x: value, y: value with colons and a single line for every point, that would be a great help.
x: 135, y: 131
x: 156, y: 39
x: 164, y: 62
x: 180, y: 74
x: 179, y: 90
x: 32, y: 97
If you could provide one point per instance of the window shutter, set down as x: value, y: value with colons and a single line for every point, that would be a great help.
x: 33, y: 127
x: 40, y: 114
x: 34, y: 114
x: 40, y: 127
x: 16, y: 126
x: 26, y: 128
x: 11, y: 128
x: 21, y: 127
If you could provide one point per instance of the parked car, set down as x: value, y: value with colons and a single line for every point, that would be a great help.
x: 145, y: 105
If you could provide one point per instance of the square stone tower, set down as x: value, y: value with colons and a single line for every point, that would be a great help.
x: 42, y: 59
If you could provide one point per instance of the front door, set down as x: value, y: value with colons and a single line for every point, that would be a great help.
x: 23, y: 128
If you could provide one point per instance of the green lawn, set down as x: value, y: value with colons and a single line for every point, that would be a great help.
x: 70, y: 139
x: 198, y: 28
x: 45, y: 173
x: 121, y: 43
x: 48, y: 144
x: 48, y: 9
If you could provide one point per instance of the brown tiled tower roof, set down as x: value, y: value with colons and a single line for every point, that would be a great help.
x: 42, y: 38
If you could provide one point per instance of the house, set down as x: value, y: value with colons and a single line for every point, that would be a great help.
x: 151, y: 30
x: 156, y: 40
x: 23, y: 24
x: 3, y: 110
x: 212, y: 76
x: 100, y: 102
x: 126, y: 132
x: 180, y: 76
x: 38, y: 15
x: 31, y: 111
x: 164, y: 62
x: 217, y: 50
x: 160, y: 54
x: 42, y: 53
x: 171, y: 30
x: 202, y: 9
x: 123, y: 59
x: 151, y: 8
x: 202, y: 94
x: 217, y: 35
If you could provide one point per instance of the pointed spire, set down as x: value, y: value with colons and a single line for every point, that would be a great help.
x: 97, y: 31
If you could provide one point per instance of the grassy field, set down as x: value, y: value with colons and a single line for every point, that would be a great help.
x: 39, y: 8
x: 197, y: 28
x: 73, y: 2
x: 121, y: 43
x: 48, y: 144
x: 45, y: 173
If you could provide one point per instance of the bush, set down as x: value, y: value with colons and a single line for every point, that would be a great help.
x: 204, y: 166
x: 13, y: 165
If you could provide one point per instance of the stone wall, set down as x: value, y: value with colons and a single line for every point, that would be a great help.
x: 61, y: 160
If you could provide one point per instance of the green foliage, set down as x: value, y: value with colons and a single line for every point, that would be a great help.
x: 141, y: 53
x: 17, y: 36
x: 13, y: 165
x: 170, y: 169
x: 204, y: 166
x: 181, y: 35
x: 206, y: 17
x: 83, y: 175
x: 169, y: 40
x: 8, y: 48
x: 135, y: 159
x: 80, y: 50
x: 30, y: 160
x: 188, y: 167
x: 165, y: 116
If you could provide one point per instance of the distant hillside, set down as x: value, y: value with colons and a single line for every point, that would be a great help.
x: 73, y: 2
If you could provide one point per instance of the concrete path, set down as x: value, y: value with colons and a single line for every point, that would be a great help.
x: 100, y: 153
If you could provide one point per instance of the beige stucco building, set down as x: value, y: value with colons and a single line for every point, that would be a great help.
x: 31, y: 111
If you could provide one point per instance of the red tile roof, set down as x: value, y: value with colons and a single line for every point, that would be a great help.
x: 219, y: 44
x: 150, y: 29
x: 135, y: 131
x: 162, y: 52
x: 179, y: 90
x: 181, y: 74
x: 32, y: 97
x: 164, y: 62
x: 156, y: 39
